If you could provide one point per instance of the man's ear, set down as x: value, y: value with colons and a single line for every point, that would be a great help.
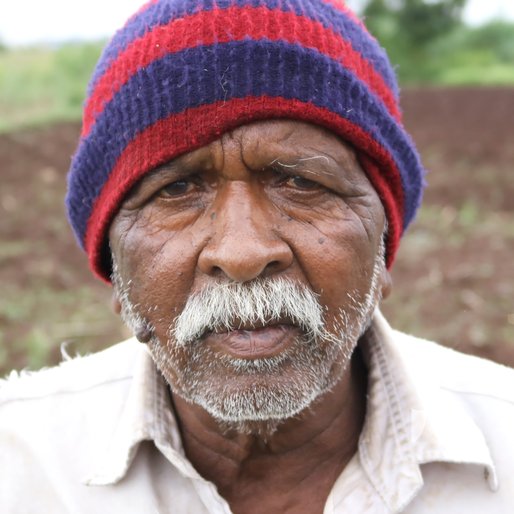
x: 115, y: 302
x: 386, y: 282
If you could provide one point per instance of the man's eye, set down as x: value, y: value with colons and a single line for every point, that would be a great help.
x: 177, y: 188
x: 302, y: 183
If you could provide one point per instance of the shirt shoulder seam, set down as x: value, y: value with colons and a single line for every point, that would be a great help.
x: 63, y: 391
x: 478, y: 393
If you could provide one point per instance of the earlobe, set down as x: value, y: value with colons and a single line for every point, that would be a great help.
x: 386, y: 283
x: 115, y: 303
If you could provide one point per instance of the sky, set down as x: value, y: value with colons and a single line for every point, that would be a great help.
x: 27, y: 22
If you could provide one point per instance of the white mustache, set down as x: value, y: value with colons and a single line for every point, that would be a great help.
x: 223, y: 307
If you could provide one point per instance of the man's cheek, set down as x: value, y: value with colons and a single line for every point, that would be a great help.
x: 333, y: 255
x: 160, y: 284
x: 152, y: 253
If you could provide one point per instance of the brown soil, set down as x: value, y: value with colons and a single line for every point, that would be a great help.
x: 456, y: 261
x: 453, y: 278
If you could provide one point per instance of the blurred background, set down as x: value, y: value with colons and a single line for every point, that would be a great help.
x: 454, y: 276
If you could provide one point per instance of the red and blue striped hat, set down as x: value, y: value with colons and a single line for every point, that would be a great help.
x: 182, y: 72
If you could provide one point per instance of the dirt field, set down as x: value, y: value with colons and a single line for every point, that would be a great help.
x: 453, y: 279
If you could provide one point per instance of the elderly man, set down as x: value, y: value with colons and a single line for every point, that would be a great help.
x: 243, y: 179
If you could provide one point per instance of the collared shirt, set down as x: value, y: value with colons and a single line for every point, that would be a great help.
x: 98, y: 434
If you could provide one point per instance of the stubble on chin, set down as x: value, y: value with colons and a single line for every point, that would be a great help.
x: 256, y: 396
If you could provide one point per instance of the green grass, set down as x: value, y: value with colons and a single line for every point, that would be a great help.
x: 34, y: 323
x: 41, y: 85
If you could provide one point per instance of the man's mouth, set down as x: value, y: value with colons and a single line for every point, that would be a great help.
x: 253, y: 341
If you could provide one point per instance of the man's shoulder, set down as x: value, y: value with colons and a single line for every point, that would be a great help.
x: 454, y: 371
x: 58, y: 424
x: 460, y: 390
x: 464, y: 414
x: 72, y: 376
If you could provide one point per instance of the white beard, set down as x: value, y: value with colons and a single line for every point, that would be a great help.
x: 238, y: 392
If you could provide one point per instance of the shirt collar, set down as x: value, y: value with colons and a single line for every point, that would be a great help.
x: 409, y: 422
x: 147, y: 415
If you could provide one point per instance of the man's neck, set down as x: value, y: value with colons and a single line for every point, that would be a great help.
x: 302, y: 457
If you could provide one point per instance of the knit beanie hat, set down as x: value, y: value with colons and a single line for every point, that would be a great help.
x: 180, y: 73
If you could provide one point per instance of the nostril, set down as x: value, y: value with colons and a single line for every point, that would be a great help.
x: 216, y: 272
x: 273, y: 266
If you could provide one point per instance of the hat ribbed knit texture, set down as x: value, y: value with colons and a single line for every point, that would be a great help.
x: 182, y: 72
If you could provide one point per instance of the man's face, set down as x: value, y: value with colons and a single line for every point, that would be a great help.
x: 256, y: 262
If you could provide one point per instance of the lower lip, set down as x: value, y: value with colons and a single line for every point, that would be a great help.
x: 254, y: 344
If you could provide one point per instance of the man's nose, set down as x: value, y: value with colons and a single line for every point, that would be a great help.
x: 245, y: 244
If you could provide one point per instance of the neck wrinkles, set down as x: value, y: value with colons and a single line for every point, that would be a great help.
x: 325, y: 434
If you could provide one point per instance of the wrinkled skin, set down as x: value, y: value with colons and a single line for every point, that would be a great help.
x: 270, y: 199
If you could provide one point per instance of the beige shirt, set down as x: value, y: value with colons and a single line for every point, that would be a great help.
x: 98, y: 435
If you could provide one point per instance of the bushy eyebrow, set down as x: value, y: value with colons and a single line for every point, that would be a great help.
x: 300, y: 164
x: 168, y: 171
x: 171, y: 168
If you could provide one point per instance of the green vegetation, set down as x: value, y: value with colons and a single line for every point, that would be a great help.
x: 482, y: 56
x: 40, y: 85
x: 429, y: 44
x: 49, y: 317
